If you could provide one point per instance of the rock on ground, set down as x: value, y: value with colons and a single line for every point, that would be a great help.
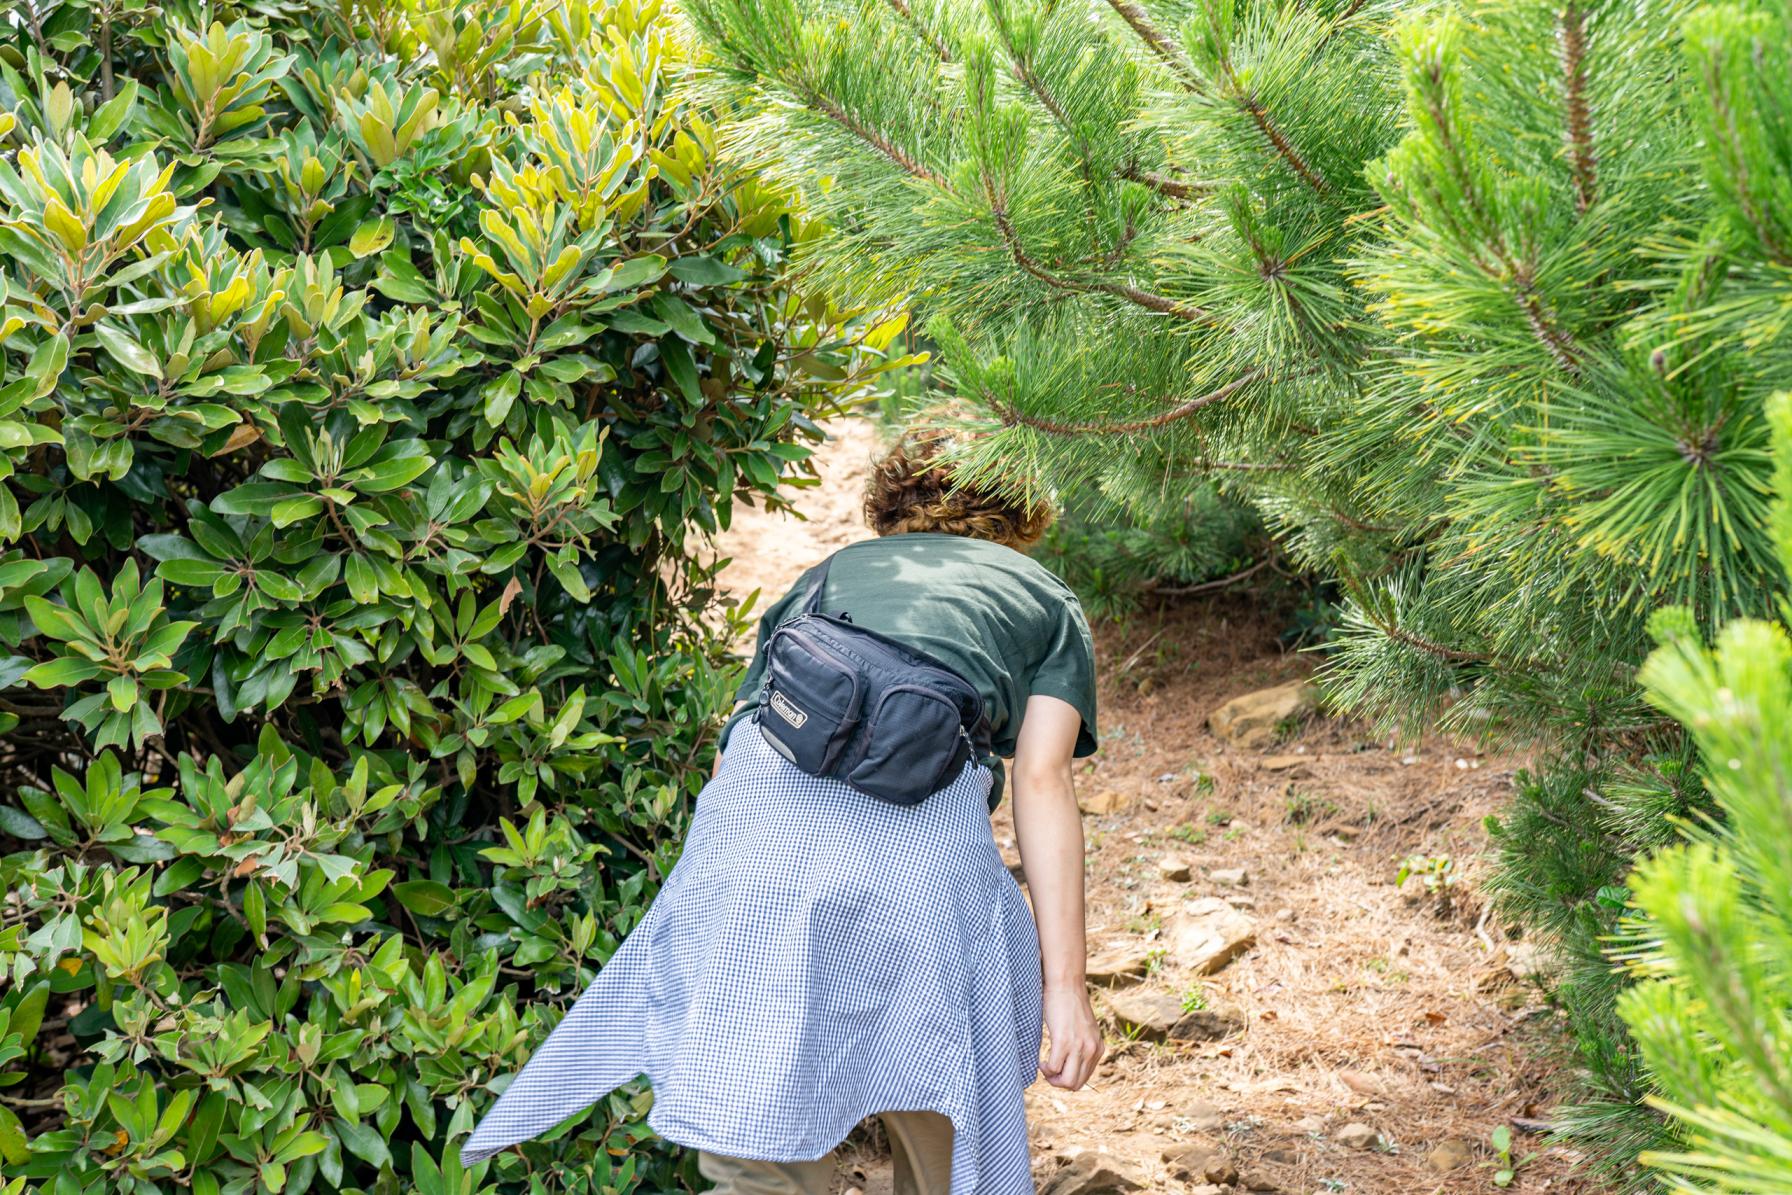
x: 1160, y: 1016
x: 1107, y: 800
x: 1092, y: 1173
x: 1357, y: 1136
x: 1204, y: 935
x: 1452, y: 1154
x: 1197, y: 1162
x: 1254, y: 720
x: 1120, y: 962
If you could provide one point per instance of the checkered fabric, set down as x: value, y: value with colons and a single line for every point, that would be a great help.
x: 814, y: 957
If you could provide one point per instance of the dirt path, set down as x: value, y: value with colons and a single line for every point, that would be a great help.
x: 1358, y: 1003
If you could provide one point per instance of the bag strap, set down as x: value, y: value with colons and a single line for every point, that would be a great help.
x: 812, y: 602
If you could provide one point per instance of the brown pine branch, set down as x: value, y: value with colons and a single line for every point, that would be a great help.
x: 1173, y: 56
x: 1163, y: 184
x: 1556, y: 340
x: 933, y: 40
x: 1571, y: 41
x: 1211, y: 586
x: 1150, y: 300
x: 1022, y: 67
x: 1408, y: 638
x: 1268, y: 127
x: 1011, y: 416
x: 1160, y: 44
x: 871, y: 137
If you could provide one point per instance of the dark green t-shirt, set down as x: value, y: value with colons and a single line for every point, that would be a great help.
x: 995, y: 616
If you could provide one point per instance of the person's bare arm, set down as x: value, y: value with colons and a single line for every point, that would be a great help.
x: 1049, y: 831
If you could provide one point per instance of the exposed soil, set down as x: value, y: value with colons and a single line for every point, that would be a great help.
x: 1361, y: 1002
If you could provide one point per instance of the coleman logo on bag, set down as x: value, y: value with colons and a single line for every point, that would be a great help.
x: 786, y: 709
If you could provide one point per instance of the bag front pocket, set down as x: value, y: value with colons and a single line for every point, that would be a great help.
x: 914, y: 743
x: 810, y: 704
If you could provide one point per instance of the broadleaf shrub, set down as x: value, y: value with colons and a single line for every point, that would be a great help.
x: 371, y: 378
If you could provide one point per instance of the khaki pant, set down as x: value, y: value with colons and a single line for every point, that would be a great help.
x: 920, y: 1143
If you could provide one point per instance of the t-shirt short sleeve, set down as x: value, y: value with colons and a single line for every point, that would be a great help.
x: 1067, y: 670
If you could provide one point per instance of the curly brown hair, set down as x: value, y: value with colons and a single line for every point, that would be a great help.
x: 910, y: 490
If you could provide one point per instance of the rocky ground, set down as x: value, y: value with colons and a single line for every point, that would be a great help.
x: 1284, y: 1014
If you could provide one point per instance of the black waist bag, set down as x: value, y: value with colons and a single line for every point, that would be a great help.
x: 847, y: 703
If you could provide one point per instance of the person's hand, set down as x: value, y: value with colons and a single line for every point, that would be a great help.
x: 1076, y: 1043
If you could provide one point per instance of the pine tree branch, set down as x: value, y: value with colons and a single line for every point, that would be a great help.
x: 1252, y: 107
x: 1571, y: 41
x: 933, y: 40
x: 1720, y: 101
x: 1557, y: 342
x: 1208, y: 463
x: 871, y: 137
x: 1277, y: 138
x: 1011, y: 415
x: 1027, y: 74
x: 1163, y: 184
x: 1402, y: 636
x: 1160, y: 44
x: 1149, y: 300
x: 1210, y: 586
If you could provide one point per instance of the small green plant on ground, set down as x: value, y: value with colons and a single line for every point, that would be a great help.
x: 1505, y: 1165
x: 1145, y: 923
x: 1433, y: 875
x: 1189, y: 833
x: 1194, y: 999
x: 1304, y: 808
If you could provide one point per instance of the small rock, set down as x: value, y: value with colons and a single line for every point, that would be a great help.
x: 1198, y: 1162
x: 1452, y: 1154
x: 1256, y: 1180
x: 1206, y: 1118
x: 1357, y: 1136
x: 1281, y: 763
x: 1161, y: 1017
x: 1108, y: 800
x: 1310, y: 1124
x: 1281, y: 1157
x: 1205, y: 935
x: 1092, y: 1173
x: 1231, y: 877
x: 1253, y: 720
x: 1524, y: 959
x: 1285, y: 915
x: 1360, y: 1083
x: 1120, y: 962
x: 1174, y: 867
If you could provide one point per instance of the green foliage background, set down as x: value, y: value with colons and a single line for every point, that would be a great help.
x: 371, y: 376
